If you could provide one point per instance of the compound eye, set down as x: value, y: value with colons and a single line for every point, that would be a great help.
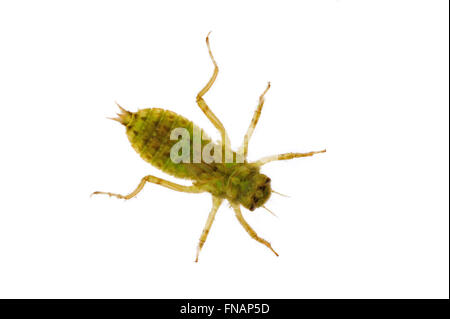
x: 268, y: 180
x: 252, y: 207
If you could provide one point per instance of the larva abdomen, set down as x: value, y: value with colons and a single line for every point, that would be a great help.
x: 148, y: 131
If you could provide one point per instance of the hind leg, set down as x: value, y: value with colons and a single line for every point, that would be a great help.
x: 155, y: 180
x: 204, y: 107
x: 216, y: 204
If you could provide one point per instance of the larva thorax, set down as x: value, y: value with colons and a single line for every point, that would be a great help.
x: 149, y: 130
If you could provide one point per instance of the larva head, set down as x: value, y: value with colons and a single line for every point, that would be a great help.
x: 249, y: 187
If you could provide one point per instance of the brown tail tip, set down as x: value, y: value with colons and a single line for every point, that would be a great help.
x: 124, y: 117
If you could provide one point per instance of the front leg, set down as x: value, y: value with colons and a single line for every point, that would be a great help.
x: 249, y: 229
x: 255, y: 119
x: 286, y: 156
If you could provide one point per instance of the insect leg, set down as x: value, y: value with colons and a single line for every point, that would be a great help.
x: 204, y: 107
x: 254, y: 121
x: 250, y: 231
x: 216, y: 204
x: 155, y: 180
x: 285, y: 156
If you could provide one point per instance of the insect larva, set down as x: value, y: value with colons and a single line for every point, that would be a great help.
x: 238, y: 182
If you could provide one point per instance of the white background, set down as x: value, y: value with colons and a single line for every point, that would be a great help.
x: 367, y: 80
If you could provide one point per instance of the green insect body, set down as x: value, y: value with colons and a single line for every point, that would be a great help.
x: 239, y: 182
x: 148, y: 131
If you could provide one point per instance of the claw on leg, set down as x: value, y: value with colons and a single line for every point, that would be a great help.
x: 126, y: 197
